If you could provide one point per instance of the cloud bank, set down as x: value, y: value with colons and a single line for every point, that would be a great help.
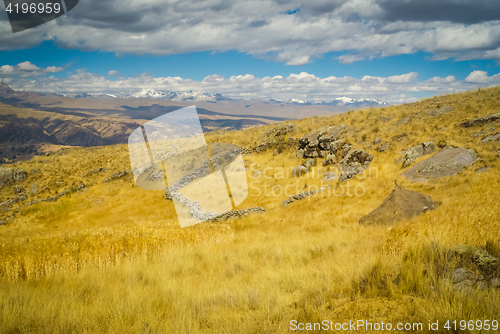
x: 292, y: 32
x: 304, y: 86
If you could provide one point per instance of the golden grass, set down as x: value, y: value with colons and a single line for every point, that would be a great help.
x: 113, y: 259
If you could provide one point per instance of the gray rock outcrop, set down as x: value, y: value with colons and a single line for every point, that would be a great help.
x: 417, y: 151
x: 481, y: 120
x: 447, y: 162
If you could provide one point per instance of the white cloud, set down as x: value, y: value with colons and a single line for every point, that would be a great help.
x: 114, y: 73
x: 365, y: 28
x: 303, y: 85
x: 26, y: 69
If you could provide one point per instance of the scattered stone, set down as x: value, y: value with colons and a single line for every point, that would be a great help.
x: 481, y: 133
x: 377, y: 141
x: 355, y: 162
x: 35, y: 171
x: 383, y: 119
x: 321, y: 142
x: 402, y: 121
x: 330, y: 176
x: 19, y: 174
x: 417, y: 151
x: 331, y: 159
x: 495, y: 137
x: 95, y: 171
x: 482, y: 170
x: 6, y: 176
x: 458, y: 275
x: 17, y: 189
x: 483, y: 259
x: 3, y: 222
x: 400, y: 205
x: 399, y: 160
x: 447, y: 162
x: 301, y: 196
x: 299, y: 171
x: 280, y: 130
x: 310, y: 163
x: 481, y: 120
x: 34, y: 189
x: 236, y: 214
x: 440, y: 111
x: 384, y: 147
x: 495, y: 282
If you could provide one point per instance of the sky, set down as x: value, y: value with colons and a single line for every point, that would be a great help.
x: 393, y: 50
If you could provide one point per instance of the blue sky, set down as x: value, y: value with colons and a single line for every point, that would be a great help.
x: 148, y: 44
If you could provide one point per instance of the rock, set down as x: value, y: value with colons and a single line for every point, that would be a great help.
x: 35, y: 171
x: 495, y: 282
x: 482, y: 170
x: 400, y: 205
x: 318, y: 143
x: 481, y: 120
x: 330, y: 176
x: 309, y: 163
x: 399, y: 160
x: 6, y: 176
x: 3, y: 222
x: 440, y: 111
x: 377, y: 141
x: 462, y: 249
x: 235, y: 214
x: 483, y: 259
x: 495, y: 137
x: 276, y: 152
x: 17, y: 189
x: 299, y: 171
x: 280, y: 130
x: 458, y: 275
x: 384, y: 147
x: 19, y: 174
x: 402, y: 121
x: 383, y: 119
x: 417, y: 151
x: 447, y: 162
x: 464, y: 286
x: 331, y: 159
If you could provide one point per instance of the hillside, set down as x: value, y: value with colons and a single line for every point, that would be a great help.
x: 79, y: 238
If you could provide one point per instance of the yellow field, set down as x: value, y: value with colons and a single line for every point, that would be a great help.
x: 113, y: 259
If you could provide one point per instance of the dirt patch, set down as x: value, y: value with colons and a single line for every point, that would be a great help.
x: 401, y: 204
x: 447, y: 162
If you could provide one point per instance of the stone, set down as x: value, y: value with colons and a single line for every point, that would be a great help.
x: 464, y: 286
x: 440, y: 111
x: 447, y: 162
x: 17, y: 189
x: 384, y: 147
x: 483, y: 259
x: 35, y: 171
x: 481, y: 120
x: 495, y: 137
x: 495, y: 282
x: 19, y: 174
x: 482, y: 285
x: 417, y: 151
x: 458, y: 275
x: 6, y: 176
x: 377, y: 141
x: 402, y: 121
x: 309, y: 163
x: 299, y: 171
x: 482, y: 170
x: 383, y: 119
x: 331, y: 159
x: 330, y: 176
x: 235, y: 214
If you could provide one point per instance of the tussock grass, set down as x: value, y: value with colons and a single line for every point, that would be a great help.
x: 113, y: 259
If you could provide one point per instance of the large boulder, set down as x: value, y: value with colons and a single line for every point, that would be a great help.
x: 19, y: 174
x: 400, y: 205
x: 447, y: 162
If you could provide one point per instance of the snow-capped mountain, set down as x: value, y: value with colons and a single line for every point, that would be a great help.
x: 187, y: 96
